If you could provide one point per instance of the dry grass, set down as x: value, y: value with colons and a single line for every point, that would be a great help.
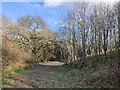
x: 13, y: 56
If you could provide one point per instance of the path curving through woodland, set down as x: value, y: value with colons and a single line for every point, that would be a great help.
x: 45, y: 75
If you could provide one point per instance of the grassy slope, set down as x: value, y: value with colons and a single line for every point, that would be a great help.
x: 104, y: 73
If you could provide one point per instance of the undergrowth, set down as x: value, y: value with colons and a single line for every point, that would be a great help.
x: 6, y: 80
x: 103, y: 73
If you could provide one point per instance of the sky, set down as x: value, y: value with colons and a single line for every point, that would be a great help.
x: 52, y: 13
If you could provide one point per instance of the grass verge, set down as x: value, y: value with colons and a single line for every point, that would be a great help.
x: 17, y: 71
x: 6, y: 81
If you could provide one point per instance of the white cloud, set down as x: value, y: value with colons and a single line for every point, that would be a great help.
x: 58, y: 2
x: 54, y: 3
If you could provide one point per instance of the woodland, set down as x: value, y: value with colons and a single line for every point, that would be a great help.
x: 86, y: 46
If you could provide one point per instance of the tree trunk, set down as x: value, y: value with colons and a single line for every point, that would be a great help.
x: 119, y: 30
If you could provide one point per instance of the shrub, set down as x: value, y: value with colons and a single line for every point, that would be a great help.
x: 13, y: 56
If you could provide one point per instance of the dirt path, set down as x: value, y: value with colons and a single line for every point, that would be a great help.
x: 45, y: 75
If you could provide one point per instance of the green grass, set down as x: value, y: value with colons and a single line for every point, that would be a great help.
x: 17, y: 71
x: 21, y: 70
x: 80, y: 74
x: 6, y: 80
x: 100, y: 67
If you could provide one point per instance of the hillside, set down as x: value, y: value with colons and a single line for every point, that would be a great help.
x: 97, y: 73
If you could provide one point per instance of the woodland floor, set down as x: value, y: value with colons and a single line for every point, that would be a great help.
x: 45, y: 75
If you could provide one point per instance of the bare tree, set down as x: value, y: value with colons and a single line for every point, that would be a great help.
x: 35, y: 37
x: 119, y: 29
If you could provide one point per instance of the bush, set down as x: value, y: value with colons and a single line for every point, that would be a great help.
x: 13, y: 56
